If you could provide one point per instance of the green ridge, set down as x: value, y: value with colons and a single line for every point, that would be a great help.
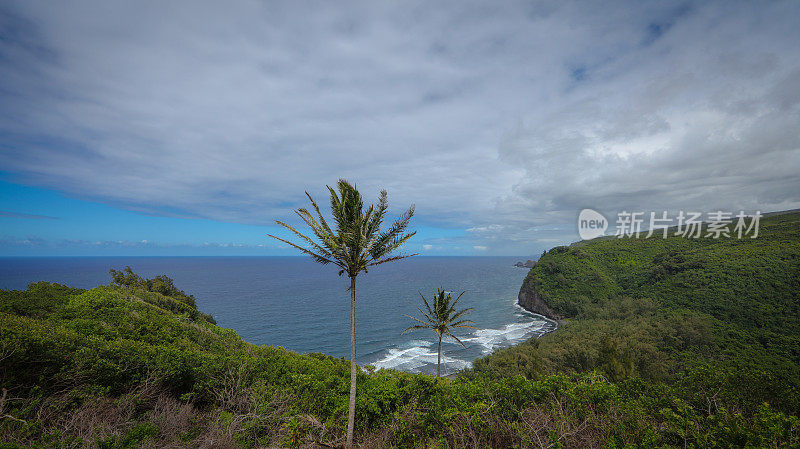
x: 658, y: 308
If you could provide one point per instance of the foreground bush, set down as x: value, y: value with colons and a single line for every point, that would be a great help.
x: 121, y: 367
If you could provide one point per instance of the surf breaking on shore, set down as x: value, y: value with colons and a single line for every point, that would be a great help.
x: 419, y: 354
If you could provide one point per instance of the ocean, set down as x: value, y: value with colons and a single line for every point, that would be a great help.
x: 303, y: 306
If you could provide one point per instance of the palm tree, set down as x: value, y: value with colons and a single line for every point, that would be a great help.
x: 356, y: 244
x: 441, y: 318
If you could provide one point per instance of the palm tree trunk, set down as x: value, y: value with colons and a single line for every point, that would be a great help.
x: 439, y: 361
x: 353, y: 367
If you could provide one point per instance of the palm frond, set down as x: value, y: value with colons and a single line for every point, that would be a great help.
x: 441, y: 316
x: 427, y: 304
x: 391, y: 259
x: 392, y: 239
x: 461, y: 313
x: 422, y: 323
x: 383, y: 206
x: 322, y: 251
x: 321, y: 232
x: 316, y: 257
x: 462, y: 323
x: 352, y: 237
x: 413, y: 327
x: 431, y: 321
x: 337, y: 213
x: 456, y: 338
x: 458, y: 298
x: 322, y: 220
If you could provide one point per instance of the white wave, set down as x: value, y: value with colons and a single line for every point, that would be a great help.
x: 414, y: 343
x: 508, y: 335
x: 415, y: 357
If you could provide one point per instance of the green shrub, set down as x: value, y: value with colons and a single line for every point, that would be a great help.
x: 677, y: 361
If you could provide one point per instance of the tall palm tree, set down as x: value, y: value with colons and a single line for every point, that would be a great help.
x: 441, y: 317
x: 356, y: 244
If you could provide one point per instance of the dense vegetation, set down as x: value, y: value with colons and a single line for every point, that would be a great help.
x: 720, y: 316
x: 667, y: 343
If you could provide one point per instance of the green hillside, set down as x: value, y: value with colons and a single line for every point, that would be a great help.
x: 722, y: 315
x: 135, y: 364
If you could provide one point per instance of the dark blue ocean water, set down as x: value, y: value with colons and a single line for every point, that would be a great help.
x: 303, y: 306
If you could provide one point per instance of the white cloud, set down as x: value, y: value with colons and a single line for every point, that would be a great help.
x: 483, y: 229
x: 497, y: 119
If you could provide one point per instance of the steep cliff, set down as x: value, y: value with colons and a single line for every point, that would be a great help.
x: 530, y: 300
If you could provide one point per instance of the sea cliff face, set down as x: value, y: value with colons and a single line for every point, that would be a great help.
x: 530, y: 300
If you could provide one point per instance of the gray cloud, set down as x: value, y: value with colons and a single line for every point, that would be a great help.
x: 498, y: 118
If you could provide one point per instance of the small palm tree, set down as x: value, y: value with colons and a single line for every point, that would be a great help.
x: 356, y: 244
x: 441, y: 318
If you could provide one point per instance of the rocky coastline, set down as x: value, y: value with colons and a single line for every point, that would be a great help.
x: 531, y: 301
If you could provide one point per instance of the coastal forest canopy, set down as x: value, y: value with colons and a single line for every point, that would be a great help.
x: 727, y: 310
x: 662, y: 343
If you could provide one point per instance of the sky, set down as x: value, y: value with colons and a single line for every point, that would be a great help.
x: 189, y: 127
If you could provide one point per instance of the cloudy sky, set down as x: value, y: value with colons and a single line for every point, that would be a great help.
x: 189, y: 127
